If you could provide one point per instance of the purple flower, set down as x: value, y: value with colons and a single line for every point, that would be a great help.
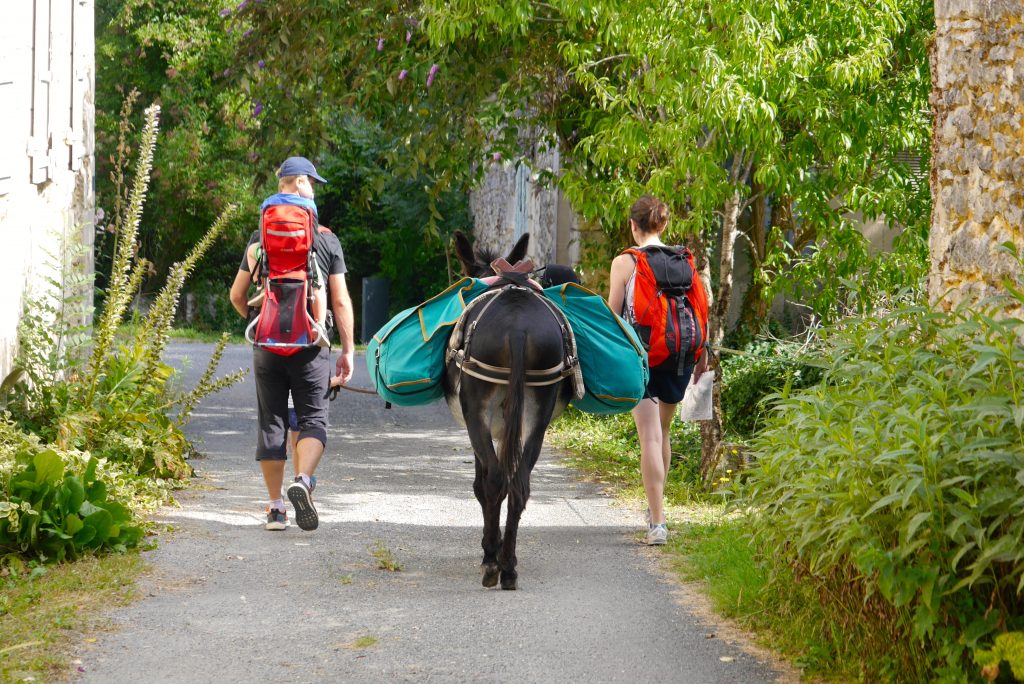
x: 225, y: 12
x: 247, y: 33
x: 380, y: 44
x: 258, y: 109
x: 261, y: 64
x: 408, y: 36
x: 496, y: 156
x: 402, y: 74
x: 241, y: 5
x: 432, y: 74
x: 227, y: 72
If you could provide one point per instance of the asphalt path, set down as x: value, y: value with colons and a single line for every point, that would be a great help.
x: 228, y: 601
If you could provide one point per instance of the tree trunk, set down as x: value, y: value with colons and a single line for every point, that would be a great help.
x: 730, y: 229
x: 711, y: 430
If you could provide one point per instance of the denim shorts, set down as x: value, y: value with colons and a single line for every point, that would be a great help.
x: 666, y: 386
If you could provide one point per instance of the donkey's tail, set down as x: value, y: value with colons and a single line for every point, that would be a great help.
x: 512, y: 440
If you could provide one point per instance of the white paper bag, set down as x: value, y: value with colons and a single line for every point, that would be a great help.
x: 697, y: 400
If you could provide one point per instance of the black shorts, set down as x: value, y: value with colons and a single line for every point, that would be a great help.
x: 307, y: 375
x: 667, y: 387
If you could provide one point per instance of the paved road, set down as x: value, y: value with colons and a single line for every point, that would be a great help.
x: 230, y: 602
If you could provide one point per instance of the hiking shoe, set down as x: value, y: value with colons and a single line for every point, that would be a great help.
x: 305, y: 512
x: 657, y: 534
x: 276, y: 520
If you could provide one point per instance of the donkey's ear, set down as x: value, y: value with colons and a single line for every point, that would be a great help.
x: 464, y: 252
x: 518, y: 252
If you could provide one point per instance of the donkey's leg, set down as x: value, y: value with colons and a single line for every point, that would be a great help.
x: 518, y: 495
x: 489, y: 490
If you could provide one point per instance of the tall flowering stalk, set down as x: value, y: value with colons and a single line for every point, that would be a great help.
x: 125, y: 277
x: 154, y: 332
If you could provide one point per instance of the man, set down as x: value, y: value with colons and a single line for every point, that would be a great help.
x: 305, y: 375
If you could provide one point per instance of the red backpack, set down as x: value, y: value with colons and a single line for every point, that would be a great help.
x: 667, y: 306
x: 289, y: 274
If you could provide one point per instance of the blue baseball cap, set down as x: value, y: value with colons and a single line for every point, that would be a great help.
x: 299, y: 166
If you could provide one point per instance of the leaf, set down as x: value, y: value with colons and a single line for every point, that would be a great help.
x: 49, y: 467
x: 915, y: 523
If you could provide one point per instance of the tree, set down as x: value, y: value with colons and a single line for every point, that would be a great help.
x: 176, y: 53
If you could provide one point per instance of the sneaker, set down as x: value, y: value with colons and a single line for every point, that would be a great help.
x: 276, y: 520
x: 657, y: 534
x: 305, y: 512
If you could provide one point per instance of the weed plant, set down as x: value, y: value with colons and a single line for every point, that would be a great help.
x: 91, y: 428
x: 893, y: 489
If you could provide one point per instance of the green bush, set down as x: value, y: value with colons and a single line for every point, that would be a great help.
x: 55, y: 513
x: 87, y: 440
x: 896, y: 486
x: 765, y: 367
x: 115, y: 402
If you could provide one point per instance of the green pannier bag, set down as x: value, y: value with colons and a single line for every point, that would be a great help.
x: 612, y: 359
x: 406, y: 358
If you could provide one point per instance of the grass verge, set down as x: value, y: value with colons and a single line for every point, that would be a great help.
x: 46, y: 610
x: 713, y: 550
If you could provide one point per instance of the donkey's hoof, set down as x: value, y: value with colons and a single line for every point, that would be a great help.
x: 489, y: 571
x: 508, y: 580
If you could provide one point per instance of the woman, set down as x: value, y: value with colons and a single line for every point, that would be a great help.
x: 648, y: 218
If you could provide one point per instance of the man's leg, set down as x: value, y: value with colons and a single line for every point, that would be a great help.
x: 310, y: 381
x: 272, y: 409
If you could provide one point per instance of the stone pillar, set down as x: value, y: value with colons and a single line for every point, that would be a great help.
x: 977, y: 177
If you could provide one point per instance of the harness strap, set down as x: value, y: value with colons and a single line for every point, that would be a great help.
x: 459, y: 345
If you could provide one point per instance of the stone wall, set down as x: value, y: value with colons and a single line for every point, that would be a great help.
x: 978, y: 148
x: 511, y: 200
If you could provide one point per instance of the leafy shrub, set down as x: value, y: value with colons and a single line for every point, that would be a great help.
x: 58, y: 515
x: 895, y: 485
x: 114, y: 403
x: 765, y: 368
x: 55, y: 505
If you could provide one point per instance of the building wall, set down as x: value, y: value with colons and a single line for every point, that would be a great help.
x: 978, y: 148
x: 47, y: 81
x: 511, y: 201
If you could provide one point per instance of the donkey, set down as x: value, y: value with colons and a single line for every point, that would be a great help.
x: 516, y: 332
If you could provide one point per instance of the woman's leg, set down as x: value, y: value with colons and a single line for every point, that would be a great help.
x: 666, y: 412
x: 652, y: 464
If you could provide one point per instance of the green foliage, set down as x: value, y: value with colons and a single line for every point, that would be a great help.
x: 385, y: 222
x: 177, y: 53
x: 115, y: 403
x: 1008, y: 647
x: 53, y: 514
x: 607, y: 447
x: 835, y: 636
x: 802, y: 106
x: 897, y: 481
x: 765, y: 368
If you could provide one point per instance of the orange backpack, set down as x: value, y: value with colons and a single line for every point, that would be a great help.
x: 667, y: 306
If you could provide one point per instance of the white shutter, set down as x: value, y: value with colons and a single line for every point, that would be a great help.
x: 7, y: 101
x: 80, y: 24
x: 39, y: 143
